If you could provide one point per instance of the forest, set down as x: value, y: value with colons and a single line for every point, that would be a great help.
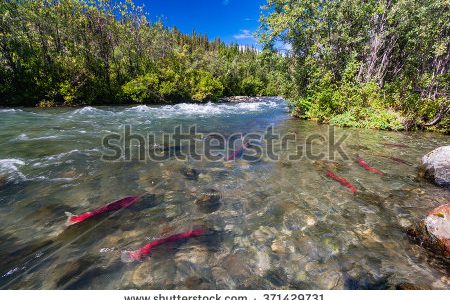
x: 375, y: 63
x: 380, y: 64
x: 88, y: 52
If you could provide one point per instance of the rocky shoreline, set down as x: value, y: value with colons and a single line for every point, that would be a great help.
x: 433, y: 232
x: 245, y: 99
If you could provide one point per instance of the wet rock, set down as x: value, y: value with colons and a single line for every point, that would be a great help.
x: 222, y: 279
x: 438, y: 225
x: 190, y: 173
x: 327, y: 164
x: 210, y: 201
x: 436, y: 166
x: 242, y: 99
x: 262, y: 261
x: 405, y: 223
x: 434, y: 232
x: 264, y: 234
x: 329, y: 280
x: 236, y: 267
x: 195, y: 283
x: 278, y: 247
x: 61, y: 274
x: 277, y: 277
x: 408, y: 286
x: 142, y: 275
x: 3, y: 181
x: 197, y: 255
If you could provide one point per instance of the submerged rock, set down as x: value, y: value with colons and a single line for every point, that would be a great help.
x: 3, y: 181
x: 209, y: 202
x: 436, y: 166
x: 190, y: 173
x: 434, y: 232
x: 438, y: 224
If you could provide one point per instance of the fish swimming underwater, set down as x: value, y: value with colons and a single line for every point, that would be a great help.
x: 396, y: 159
x: 395, y: 145
x: 367, y: 167
x: 239, y: 152
x: 131, y: 256
x: 342, y: 181
x: 114, y: 206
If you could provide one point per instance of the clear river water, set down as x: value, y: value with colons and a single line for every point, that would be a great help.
x: 272, y: 224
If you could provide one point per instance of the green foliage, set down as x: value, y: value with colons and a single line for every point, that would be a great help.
x: 372, y: 63
x: 251, y: 85
x: 46, y: 104
x: 204, y: 86
x: 77, y: 52
x: 143, y: 89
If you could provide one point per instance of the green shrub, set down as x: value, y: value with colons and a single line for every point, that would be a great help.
x: 46, y: 104
x: 252, y: 86
x: 205, y: 86
x: 143, y: 88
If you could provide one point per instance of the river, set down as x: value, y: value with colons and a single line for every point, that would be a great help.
x: 274, y: 224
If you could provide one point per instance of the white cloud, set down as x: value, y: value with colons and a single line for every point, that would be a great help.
x: 244, y: 34
x: 226, y: 2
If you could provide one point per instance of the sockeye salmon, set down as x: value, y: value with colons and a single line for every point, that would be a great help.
x: 114, y: 206
x: 396, y: 159
x: 395, y: 145
x: 367, y: 167
x: 342, y: 181
x: 131, y: 256
x: 239, y: 152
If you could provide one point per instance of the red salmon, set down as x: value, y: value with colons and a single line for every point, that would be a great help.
x: 367, y: 167
x: 342, y: 181
x: 239, y: 152
x: 131, y: 256
x: 114, y: 206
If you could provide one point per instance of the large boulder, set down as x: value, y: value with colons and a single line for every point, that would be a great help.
x: 436, y: 166
x: 438, y: 225
x: 434, y: 232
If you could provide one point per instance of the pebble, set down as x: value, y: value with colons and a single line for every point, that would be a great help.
x: 329, y: 280
x: 278, y: 247
x: 445, y: 280
x: 142, y: 275
x: 405, y: 223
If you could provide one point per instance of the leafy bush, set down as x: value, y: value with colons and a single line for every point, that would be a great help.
x: 46, y: 104
x: 252, y: 86
x: 205, y: 86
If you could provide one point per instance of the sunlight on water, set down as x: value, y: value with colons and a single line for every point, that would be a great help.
x: 272, y: 224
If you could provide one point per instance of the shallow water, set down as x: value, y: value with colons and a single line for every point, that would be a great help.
x: 279, y: 224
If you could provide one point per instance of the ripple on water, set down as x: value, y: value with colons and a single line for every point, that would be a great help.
x: 273, y: 224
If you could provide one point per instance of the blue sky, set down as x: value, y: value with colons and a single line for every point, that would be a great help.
x: 231, y: 20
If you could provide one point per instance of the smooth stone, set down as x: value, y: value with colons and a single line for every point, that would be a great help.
x: 264, y: 234
x: 223, y: 279
x: 236, y: 267
x: 405, y: 223
x: 142, y: 275
x: 329, y: 280
x: 197, y: 255
x: 190, y: 173
x: 434, y: 232
x: 436, y: 166
x: 210, y: 201
x: 438, y: 225
x: 278, y: 247
x: 61, y: 274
